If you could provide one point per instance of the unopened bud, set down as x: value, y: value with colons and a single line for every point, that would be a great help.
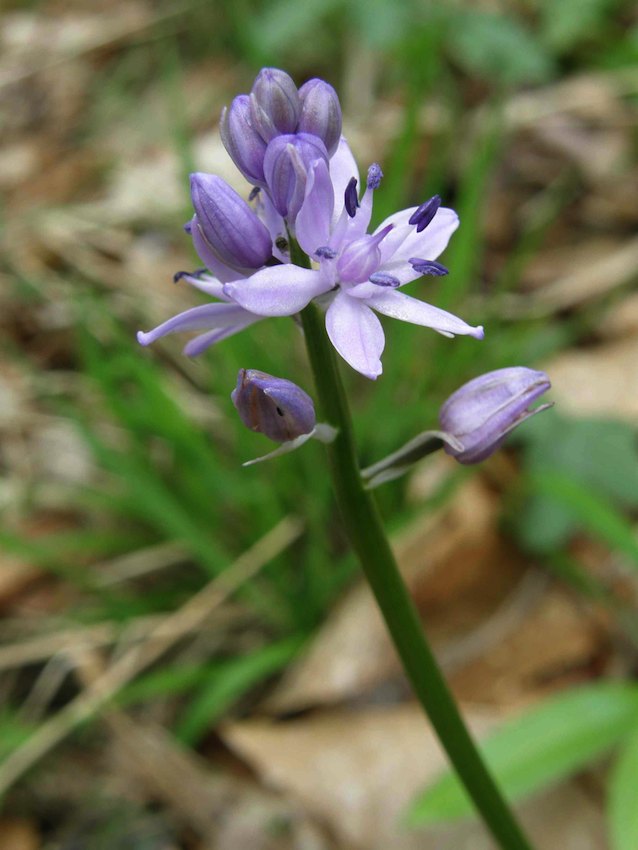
x: 231, y: 228
x: 273, y: 406
x: 245, y: 146
x: 482, y: 412
x: 274, y: 104
x: 320, y: 113
x: 286, y: 166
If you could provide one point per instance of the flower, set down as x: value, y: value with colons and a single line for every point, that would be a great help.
x: 287, y: 142
x: 273, y: 406
x: 481, y: 413
x: 359, y: 273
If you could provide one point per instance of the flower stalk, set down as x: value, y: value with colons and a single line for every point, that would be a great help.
x: 366, y: 534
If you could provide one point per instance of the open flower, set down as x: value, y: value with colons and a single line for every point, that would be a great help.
x: 361, y: 272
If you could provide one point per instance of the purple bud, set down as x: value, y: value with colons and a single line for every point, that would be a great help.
x: 320, y: 113
x: 286, y: 166
x: 351, y: 198
x: 374, y: 176
x: 245, y: 146
x: 424, y: 214
x: 430, y: 267
x: 361, y: 257
x: 274, y: 104
x: 482, y: 412
x: 384, y: 279
x: 230, y: 227
x: 273, y: 406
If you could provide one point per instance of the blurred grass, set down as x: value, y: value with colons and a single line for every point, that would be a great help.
x: 166, y: 477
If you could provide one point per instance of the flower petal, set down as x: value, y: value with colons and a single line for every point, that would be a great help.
x: 397, y: 305
x: 206, y: 254
x: 404, y: 242
x: 277, y: 290
x: 203, y: 341
x: 206, y: 316
x: 312, y: 225
x: 356, y: 333
x: 342, y: 168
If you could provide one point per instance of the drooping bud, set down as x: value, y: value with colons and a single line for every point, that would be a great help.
x: 320, y: 113
x: 275, y: 106
x: 230, y: 227
x: 273, y: 406
x: 424, y: 214
x: 430, y: 267
x: 286, y: 167
x: 245, y: 146
x: 482, y: 412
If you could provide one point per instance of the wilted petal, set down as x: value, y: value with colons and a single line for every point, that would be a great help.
x: 397, y: 305
x: 206, y: 316
x: 277, y: 290
x: 356, y: 333
x: 313, y: 221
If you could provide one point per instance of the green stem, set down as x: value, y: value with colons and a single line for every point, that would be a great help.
x: 365, y: 531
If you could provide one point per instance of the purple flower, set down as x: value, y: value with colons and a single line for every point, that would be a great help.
x: 482, y: 412
x: 275, y: 106
x: 273, y: 406
x: 361, y: 272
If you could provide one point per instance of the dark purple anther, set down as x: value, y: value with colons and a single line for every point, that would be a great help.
x: 424, y: 214
x: 254, y: 192
x: 273, y: 406
x: 384, y: 279
x: 188, y: 227
x: 245, y: 146
x: 482, y: 412
x: 351, y: 198
x: 320, y: 113
x: 374, y: 176
x: 274, y: 104
x: 430, y: 267
x: 179, y: 275
x: 325, y: 253
x: 229, y: 226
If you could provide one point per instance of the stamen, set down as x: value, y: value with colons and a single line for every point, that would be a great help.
x: 253, y: 193
x: 374, y: 176
x: 430, y: 267
x: 179, y: 275
x: 325, y: 253
x: 384, y: 279
x: 188, y: 227
x: 424, y: 214
x: 350, y: 197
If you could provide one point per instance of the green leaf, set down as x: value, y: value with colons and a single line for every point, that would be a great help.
x: 229, y: 682
x: 622, y: 808
x: 499, y: 48
x: 540, y: 748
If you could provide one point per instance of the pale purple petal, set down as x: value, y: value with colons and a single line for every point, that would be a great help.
x: 356, y: 333
x: 206, y: 316
x: 312, y: 226
x: 428, y: 244
x: 203, y: 341
x: 397, y: 305
x: 342, y: 168
x: 266, y: 211
x: 277, y: 290
x: 205, y: 283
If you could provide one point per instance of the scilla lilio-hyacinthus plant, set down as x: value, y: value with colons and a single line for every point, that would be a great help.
x: 300, y: 246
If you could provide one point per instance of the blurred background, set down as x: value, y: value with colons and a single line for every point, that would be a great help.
x: 188, y: 658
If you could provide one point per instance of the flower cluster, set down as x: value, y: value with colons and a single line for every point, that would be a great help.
x: 287, y: 143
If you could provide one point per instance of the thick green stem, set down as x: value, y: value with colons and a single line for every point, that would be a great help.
x: 365, y: 531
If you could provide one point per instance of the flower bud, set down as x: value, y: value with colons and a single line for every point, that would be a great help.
x: 482, y: 412
x: 245, y: 146
x: 273, y: 406
x: 230, y: 227
x: 286, y: 166
x: 320, y: 113
x: 274, y: 104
